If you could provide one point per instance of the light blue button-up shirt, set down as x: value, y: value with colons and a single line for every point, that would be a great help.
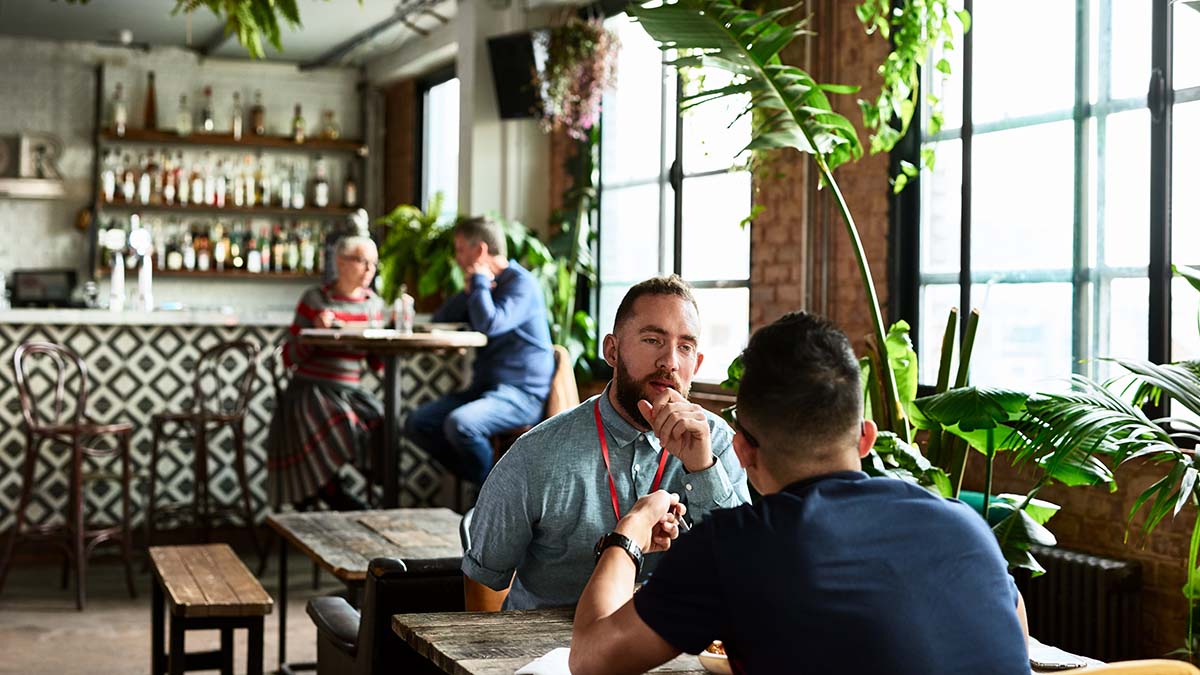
x: 547, y: 501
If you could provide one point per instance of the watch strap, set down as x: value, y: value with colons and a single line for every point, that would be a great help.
x: 625, y: 544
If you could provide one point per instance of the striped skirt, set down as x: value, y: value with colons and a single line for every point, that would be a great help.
x: 316, y: 428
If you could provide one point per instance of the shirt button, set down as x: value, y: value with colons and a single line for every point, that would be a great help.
x: 687, y: 486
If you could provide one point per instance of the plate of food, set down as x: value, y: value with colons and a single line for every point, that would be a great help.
x: 714, y: 660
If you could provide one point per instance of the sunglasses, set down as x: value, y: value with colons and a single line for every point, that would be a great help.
x: 730, y: 415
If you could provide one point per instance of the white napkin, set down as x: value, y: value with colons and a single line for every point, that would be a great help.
x: 553, y: 663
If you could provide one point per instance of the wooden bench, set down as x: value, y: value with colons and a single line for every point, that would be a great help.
x: 208, y: 588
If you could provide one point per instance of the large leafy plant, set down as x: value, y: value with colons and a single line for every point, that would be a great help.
x: 1105, y: 422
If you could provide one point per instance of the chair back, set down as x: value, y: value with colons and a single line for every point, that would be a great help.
x: 278, y: 371
x: 45, y: 367
x: 224, y: 377
x: 401, y: 587
x: 564, y: 392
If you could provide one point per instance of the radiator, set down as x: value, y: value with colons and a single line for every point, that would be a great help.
x: 1085, y: 604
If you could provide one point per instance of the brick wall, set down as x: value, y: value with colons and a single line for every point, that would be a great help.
x: 1093, y: 520
x: 800, y: 255
x: 400, y: 157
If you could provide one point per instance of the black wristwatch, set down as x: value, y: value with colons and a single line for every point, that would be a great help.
x: 622, y: 542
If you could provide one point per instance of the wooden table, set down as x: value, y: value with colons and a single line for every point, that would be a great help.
x: 391, y: 346
x: 498, y: 643
x: 343, y: 543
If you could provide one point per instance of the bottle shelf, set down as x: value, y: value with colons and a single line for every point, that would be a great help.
x: 248, y: 141
x: 220, y: 274
x: 312, y: 213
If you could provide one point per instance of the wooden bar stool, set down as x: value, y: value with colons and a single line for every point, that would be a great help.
x: 67, y: 423
x: 224, y: 375
x: 207, y: 587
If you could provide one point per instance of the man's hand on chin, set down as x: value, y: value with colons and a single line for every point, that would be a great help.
x: 681, y: 427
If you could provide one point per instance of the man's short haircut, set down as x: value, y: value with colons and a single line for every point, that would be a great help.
x: 482, y: 228
x: 671, y: 285
x: 347, y: 244
x: 801, y: 390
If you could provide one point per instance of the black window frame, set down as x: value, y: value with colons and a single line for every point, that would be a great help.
x: 423, y: 85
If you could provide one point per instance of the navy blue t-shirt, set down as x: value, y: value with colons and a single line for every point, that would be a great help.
x: 841, y: 573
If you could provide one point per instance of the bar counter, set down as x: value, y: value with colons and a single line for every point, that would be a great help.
x: 139, y: 364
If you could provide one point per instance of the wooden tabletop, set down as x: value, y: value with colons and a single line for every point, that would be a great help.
x: 345, y: 542
x: 388, y: 341
x: 208, y: 580
x: 498, y: 643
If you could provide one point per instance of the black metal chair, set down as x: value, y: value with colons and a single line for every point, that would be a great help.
x: 224, y: 376
x: 67, y: 424
x: 354, y: 643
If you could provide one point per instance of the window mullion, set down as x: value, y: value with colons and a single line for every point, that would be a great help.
x: 1161, y: 110
x: 1081, y: 309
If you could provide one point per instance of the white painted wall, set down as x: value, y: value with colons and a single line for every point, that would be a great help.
x: 50, y: 87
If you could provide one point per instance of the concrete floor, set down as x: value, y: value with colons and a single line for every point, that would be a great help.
x: 42, y: 632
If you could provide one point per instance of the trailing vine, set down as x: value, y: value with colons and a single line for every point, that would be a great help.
x: 581, y: 64
x: 916, y: 29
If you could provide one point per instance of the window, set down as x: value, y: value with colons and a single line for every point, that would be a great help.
x: 439, y: 142
x: 672, y: 198
x: 1050, y: 192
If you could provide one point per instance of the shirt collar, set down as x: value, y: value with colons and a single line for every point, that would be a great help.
x: 803, y: 485
x: 620, y: 430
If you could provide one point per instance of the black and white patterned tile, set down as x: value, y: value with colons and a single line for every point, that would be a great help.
x: 136, y: 371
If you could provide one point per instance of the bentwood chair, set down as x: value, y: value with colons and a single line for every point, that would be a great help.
x: 221, y: 389
x: 64, y: 422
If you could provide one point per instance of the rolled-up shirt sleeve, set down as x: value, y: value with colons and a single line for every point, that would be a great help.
x: 720, y: 486
x: 501, y: 527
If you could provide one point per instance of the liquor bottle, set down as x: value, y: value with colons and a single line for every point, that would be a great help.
x: 197, y: 188
x: 207, y: 123
x: 159, y: 236
x: 220, y: 182
x: 248, y: 181
x: 307, y: 252
x: 297, y: 126
x: 297, y: 189
x: 144, y: 180
x: 169, y: 191
x: 203, y: 251
x: 350, y: 189
x: 320, y: 185
x: 264, y: 193
x: 151, y: 107
x: 157, y: 162
x: 285, y: 188
x: 236, y: 240
x: 183, y: 117
x: 238, y: 117
x: 174, y: 254
x: 220, y: 247
x: 330, y: 130
x: 258, y: 116
x: 188, y: 250
x: 278, y: 249
x: 210, y: 181
x: 253, y: 257
x: 264, y: 250
x: 182, y: 180
x: 120, y: 115
x: 128, y: 180
x: 108, y: 176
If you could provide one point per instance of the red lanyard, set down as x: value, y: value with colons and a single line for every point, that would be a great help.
x: 612, y: 487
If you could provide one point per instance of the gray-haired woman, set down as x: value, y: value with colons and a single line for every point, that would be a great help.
x: 325, y: 418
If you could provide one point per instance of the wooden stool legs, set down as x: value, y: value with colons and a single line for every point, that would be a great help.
x: 175, y: 661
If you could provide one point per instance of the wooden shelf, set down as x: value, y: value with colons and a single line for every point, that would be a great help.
x: 224, y: 274
x: 315, y: 213
x: 248, y: 142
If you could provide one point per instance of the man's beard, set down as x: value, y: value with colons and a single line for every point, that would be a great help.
x: 630, y: 391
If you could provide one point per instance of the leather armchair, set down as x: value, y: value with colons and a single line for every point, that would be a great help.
x: 350, y: 642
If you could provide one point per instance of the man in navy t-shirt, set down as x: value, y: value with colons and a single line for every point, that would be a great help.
x: 831, y: 571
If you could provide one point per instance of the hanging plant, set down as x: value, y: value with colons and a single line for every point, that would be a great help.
x: 580, y: 64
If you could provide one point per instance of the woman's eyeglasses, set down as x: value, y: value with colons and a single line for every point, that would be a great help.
x: 362, y: 262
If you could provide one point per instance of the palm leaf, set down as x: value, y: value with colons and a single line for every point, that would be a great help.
x: 792, y: 111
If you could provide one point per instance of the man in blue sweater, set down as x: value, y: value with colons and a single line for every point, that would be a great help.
x: 512, y: 374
